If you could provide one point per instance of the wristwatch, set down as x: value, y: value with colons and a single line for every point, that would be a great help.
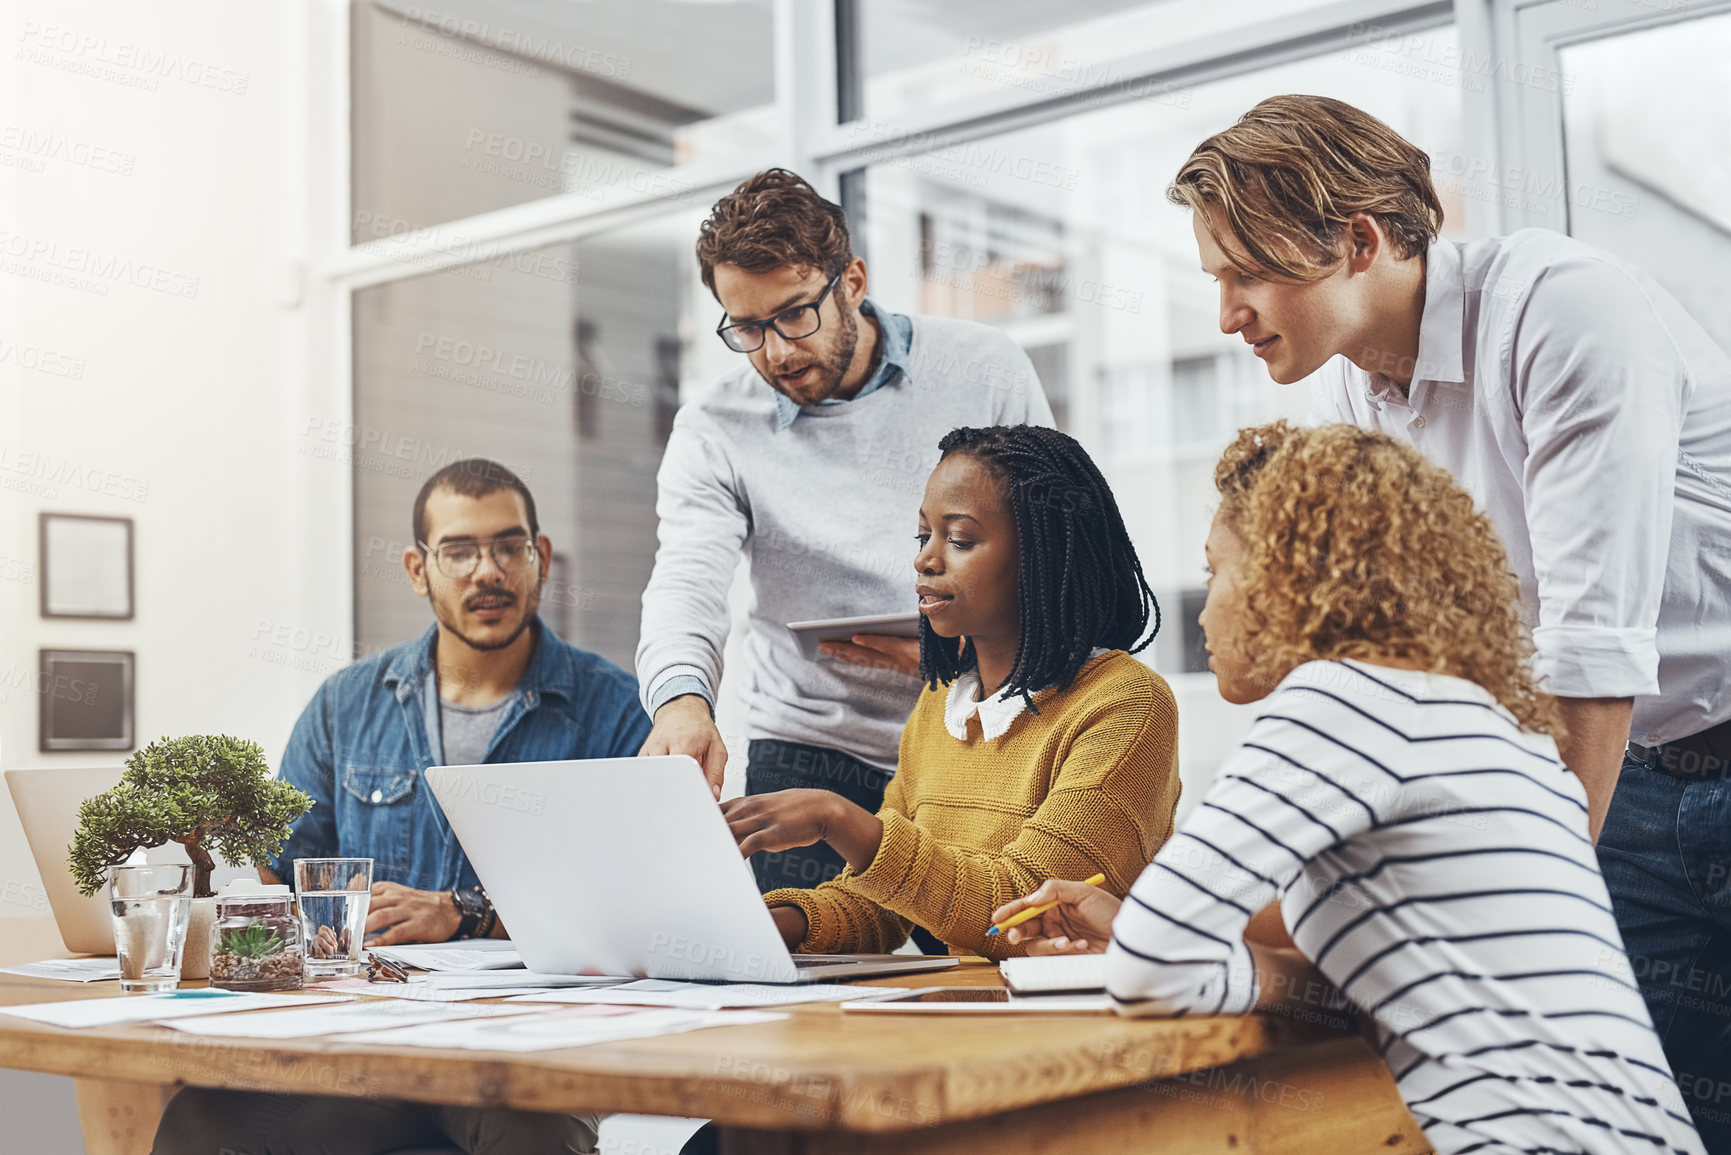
x: 475, y: 910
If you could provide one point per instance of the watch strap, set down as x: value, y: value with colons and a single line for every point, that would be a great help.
x: 472, y: 906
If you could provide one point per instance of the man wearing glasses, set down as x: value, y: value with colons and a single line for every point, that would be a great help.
x: 488, y: 682
x: 809, y: 459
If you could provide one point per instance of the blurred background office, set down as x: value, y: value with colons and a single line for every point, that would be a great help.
x: 265, y: 267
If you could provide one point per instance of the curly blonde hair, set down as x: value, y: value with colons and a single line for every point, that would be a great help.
x: 1357, y: 547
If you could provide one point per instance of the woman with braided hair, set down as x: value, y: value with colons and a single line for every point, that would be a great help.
x: 1040, y: 748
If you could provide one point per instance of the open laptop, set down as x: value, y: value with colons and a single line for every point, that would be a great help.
x: 47, y: 802
x: 625, y: 866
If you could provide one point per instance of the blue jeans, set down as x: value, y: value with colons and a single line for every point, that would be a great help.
x: 1666, y: 855
x: 206, y: 1121
x: 777, y: 765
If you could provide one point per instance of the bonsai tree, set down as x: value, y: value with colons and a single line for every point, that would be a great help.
x: 208, y: 793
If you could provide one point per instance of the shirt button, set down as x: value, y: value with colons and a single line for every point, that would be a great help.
x: 1418, y: 422
x: 1651, y: 740
x: 378, y: 796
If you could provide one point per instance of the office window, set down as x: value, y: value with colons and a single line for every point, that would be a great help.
x: 1190, y: 603
x: 1126, y: 400
x: 1195, y: 399
x: 919, y: 54
x: 1061, y: 235
x: 468, y: 107
x: 1647, y: 142
x: 564, y: 364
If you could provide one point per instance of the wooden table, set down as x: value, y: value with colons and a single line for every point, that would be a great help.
x: 819, y: 1081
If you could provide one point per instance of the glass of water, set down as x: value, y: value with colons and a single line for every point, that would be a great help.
x: 332, y: 894
x: 150, y: 905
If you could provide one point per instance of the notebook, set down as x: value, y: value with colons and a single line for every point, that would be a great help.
x: 1062, y: 972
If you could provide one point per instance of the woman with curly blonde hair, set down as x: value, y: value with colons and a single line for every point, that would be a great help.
x: 1401, y: 796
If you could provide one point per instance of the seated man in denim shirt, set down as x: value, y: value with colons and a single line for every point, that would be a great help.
x: 487, y: 683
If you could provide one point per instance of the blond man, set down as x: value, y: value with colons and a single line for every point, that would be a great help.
x: 1590, y: 417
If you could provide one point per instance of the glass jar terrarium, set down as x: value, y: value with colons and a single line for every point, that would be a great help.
x: 255, y: 942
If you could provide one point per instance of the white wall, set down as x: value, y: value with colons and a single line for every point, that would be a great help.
x: 145, y: 147
x: 155, y: 169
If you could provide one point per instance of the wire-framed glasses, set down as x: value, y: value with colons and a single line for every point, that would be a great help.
x: 793, y: 324
x: 459, y: 559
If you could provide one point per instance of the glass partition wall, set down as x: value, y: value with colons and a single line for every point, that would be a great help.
x: 526, y: 195
x: 561, y: 363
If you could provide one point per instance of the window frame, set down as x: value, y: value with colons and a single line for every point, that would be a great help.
x: 815, y: 58
x: 1524, y: 122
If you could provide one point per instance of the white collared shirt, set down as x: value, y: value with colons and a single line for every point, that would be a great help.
x: 996, y: 713
x: 1590, y: 418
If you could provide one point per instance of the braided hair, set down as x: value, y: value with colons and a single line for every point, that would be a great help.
x: 1080, y: 581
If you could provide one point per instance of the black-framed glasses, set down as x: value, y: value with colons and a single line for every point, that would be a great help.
x: 459, y: 559
x: 793, y: 324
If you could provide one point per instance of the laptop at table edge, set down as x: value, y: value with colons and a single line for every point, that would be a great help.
x: 497, y: 812
x: 47, y: 800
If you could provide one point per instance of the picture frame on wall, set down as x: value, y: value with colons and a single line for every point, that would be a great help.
x: 85, y: 700
x: 85, y: 566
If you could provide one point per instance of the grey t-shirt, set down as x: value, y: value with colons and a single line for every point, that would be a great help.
x: 466, y: 731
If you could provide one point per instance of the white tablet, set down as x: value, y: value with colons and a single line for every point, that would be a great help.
x: 814, y: 633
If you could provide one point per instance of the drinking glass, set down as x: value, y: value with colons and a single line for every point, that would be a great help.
x: 150, y: 905
x: 332, y: 894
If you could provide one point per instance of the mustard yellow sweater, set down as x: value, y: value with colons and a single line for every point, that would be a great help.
x: 1088, y: 786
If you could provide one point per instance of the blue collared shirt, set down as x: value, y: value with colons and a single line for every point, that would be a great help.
x: 898, y: 336
x: 364, y: 742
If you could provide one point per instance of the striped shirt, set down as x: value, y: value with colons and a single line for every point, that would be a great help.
x: 1432, y: 860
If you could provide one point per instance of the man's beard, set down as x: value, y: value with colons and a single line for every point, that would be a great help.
x: 832, y: 370
x: 449, y: 620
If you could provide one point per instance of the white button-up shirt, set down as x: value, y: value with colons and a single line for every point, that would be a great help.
x: 1590, y: 417
x: 995, y: 713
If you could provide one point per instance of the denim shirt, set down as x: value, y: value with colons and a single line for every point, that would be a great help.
x: 364, y: 742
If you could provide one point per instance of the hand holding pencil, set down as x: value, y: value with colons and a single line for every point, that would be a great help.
x: 1060, y: 918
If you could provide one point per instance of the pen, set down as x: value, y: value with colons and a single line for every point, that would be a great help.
x: 1036, y: 911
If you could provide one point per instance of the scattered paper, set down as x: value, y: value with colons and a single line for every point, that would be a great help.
x: 77, y: 970
x: 300, y: 1023
x: 576, y: 1027
x: 154, y: 1008
x: 474, y: 955
x: 1073, y: 1001
x: 423, y: 993
x: 465, y: 980
x: 710, y: 996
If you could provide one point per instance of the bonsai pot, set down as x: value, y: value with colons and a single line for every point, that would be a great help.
x: 195, y: 963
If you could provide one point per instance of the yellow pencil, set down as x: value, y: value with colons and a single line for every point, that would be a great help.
x: 1037, y: 911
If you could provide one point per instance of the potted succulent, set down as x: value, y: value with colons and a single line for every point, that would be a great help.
x: 256, y: 946
x: 209, y: 793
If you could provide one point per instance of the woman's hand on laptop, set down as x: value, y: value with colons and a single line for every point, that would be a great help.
x: 399, y: 914
x: 789, y: 818
x: 1081, y: 923
x: 877, y: 652
x: 683, y: 726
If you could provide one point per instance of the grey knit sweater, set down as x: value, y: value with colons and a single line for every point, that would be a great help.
x: 826, y: 511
